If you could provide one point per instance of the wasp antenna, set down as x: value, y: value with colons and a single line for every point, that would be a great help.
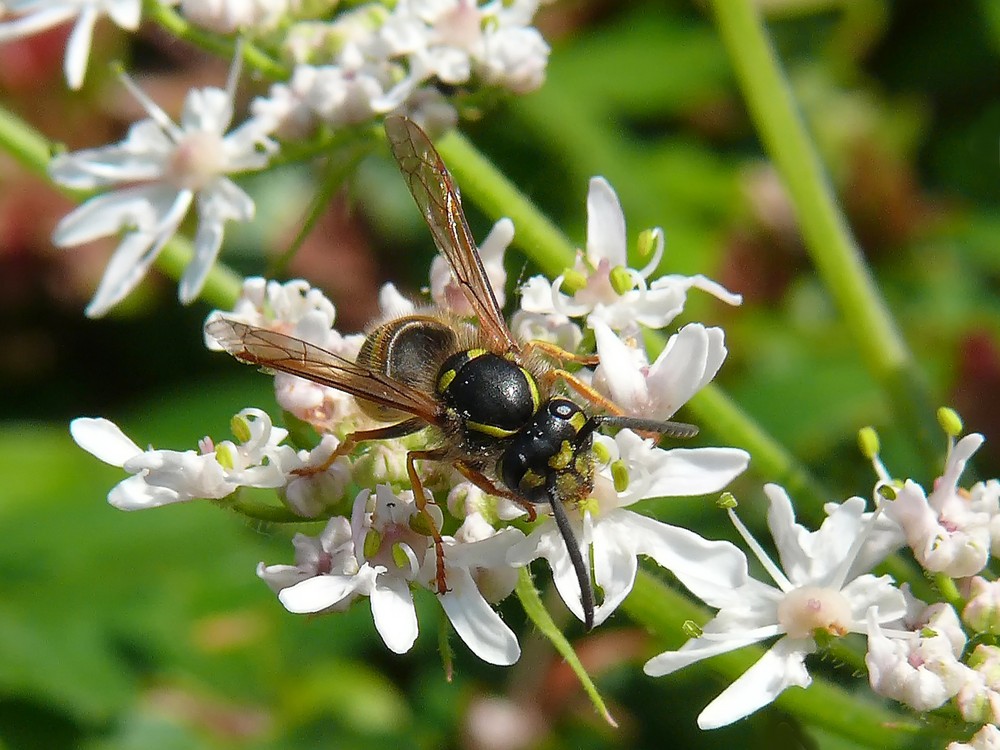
x: 581, y: 568
x: 677, y: 430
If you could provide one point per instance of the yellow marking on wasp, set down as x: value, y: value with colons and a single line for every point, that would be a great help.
x: 476, y: 353
x: 577, y: 421
x: 536, y: 400
x: 445, y: 380
x: 531, y: 479
x: 489, y: 429
x: 563, y: 458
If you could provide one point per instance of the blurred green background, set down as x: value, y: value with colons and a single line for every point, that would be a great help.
x: 150, y: 631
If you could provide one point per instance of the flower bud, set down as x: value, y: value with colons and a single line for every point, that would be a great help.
x: 982, y: 613
x: 950, y: 421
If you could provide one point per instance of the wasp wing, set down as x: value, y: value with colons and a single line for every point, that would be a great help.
x: 437, y: 197
x: 276, y: 351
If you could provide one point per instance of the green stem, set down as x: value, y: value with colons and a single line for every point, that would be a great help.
x: 827, y: 236
x: 222, y: 285
x: 664, y: 611
x: 181, y: 28
x: 340, y: 166
x: 29, y: 147
x: 540, y: 617
x: 479, y: 179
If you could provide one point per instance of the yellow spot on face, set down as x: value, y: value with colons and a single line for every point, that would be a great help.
x: 577, y: 421
x: 532, y: 479
x: 476, y: 353
x: 563, y: 458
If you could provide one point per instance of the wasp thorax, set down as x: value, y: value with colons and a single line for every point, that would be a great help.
x: 493, y: 395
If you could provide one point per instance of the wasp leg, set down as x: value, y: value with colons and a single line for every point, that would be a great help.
x: 587, y: 391
x: 557, y: 352
x: 436, y: 454
x: 488, y: 486
x: 399, y: 429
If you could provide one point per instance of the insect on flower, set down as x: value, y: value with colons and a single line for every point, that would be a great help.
x: 493, y: 407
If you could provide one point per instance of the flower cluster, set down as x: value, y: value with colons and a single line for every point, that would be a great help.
x: 917, y: 650
x: 377, y: 541
x: 372, y: 60
x: 347, y: 66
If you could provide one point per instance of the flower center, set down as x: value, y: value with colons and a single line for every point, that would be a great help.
x: 810, y: 608
x: 196, y: 161
x: 460, y: 26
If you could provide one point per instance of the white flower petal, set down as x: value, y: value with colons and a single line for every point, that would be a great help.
x: 690, y: 360
x: 714, y: 571
x: 625, y: 381
x: 207, y: 242
x: 78, y: 47
x: 694, y: 651
x: 614, y: 562
x: 125, y: 13
x: 106, y: 214
x: 605, y: 224
x: 35, y: 22
x: 781, y: 667
x: 393, y: 612
x: 135, y: 493
x: 478, y: 625
x: 317, y: 593
x: 103, y: 439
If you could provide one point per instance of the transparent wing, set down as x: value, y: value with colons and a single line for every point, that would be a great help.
x: 437, y: 197
x: 259, y: 346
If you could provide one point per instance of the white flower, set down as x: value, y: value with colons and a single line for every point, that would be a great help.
x: 39, y: 15
x: 919, y: 667
x: 688, y: 362
x: 308, y: 490
x: 330, y: 553
x: 228, y: 16
x: 982, y: 609
x: 446, y: 292
x: 945, y: 531
x: 453, y: 40
x: 978, y: 698
x: 160, y: 477
x: 613, y: 293
x: 987, y: 738
x: 300, y: 310
x: 616, y: 536
x: 390, y: 556
x: 164, y: 167
x: 816, y: 592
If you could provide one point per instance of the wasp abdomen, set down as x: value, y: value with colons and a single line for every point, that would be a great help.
x: 493, y: 395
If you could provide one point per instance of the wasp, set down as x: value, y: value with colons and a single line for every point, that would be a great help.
x: 495, y: 408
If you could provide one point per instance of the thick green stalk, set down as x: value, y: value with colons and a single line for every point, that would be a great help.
x: 181, y: 28
x: 29, y: 147
x: 664, y: 611
x: 497, y: 196
x: 827, y: 236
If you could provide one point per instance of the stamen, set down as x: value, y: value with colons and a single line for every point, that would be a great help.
x: 772, y: 570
